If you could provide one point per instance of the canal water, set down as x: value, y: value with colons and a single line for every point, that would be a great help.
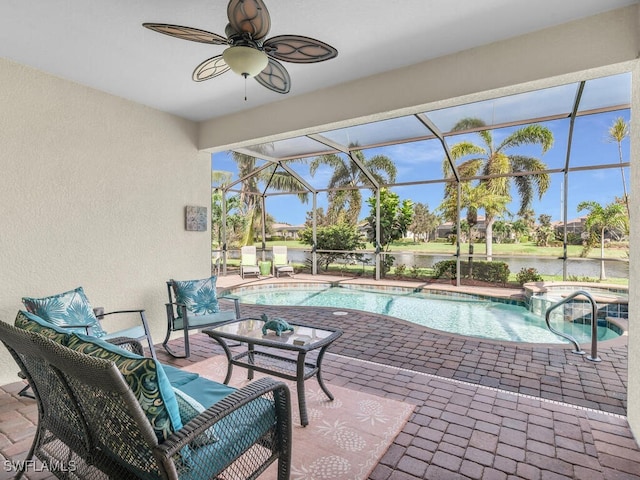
x: 544, y: 266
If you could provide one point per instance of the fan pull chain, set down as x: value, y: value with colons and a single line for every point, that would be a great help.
x: 245, y: 87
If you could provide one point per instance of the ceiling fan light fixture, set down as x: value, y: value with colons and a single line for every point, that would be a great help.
x: 249, y: 53
x: 245, y: 61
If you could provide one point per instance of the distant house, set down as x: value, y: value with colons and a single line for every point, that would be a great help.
x: 444, y: 229
x: 286, y: 231
x: 575, y: 225
x: 447, y: 228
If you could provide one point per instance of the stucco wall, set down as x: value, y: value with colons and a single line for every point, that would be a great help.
x: 92, y: 193
x: 633, y: 388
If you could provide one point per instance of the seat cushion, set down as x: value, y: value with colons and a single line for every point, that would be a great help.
x: 198, y: 321
x: 66, y: 309
x: 136, y: 332
x: 205, y: 391
x: 190, y: 408
x: 146, y: 378
x: 195, y: 397
x: 234, y: 434
x: 199, y: 296
x: 177, y: 376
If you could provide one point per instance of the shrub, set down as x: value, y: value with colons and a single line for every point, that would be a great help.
x: 493, y: 272
x: 574, y: 238
x: 526, y: 275
x: 400, y: 270
x: 444, y: 269
x: 576, y: 278
x: 340, y: 236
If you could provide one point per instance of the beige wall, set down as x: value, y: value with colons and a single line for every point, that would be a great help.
x: 92, y: 193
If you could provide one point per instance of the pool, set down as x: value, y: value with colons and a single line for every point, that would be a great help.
x: 469, y: 316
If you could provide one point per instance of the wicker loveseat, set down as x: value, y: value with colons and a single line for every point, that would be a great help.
x: 105, y: 412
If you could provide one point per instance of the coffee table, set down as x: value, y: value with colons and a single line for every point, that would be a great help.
x: 281, y: 356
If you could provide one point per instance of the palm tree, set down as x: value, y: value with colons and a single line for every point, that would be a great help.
x: 220, y: 178
x: 345, y: 201
x: 503, y: 230
x: 235, y: 221
x: 617, y: 133
x: 520, y: 229
x: 499, y: 169
x: 250, y: 193
x: 472, y: 199
x: 602, y: 219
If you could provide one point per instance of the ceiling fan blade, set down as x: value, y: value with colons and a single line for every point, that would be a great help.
x: 275, y: 77
x: 210, y: 68
x: 299, y: 49
x: 187, y: 33
x: 249, y: 16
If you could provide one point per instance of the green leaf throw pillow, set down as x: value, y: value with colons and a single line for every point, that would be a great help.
x: 146, y: 378
x: 29, y: 321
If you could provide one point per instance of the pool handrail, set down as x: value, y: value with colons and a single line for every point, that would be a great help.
x: 594, y: 324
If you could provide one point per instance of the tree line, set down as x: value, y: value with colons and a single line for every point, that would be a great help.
x: 488, y: 170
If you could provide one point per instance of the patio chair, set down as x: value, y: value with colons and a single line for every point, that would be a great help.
x: 106, y: 413
x: 72, y: 311
x: 193, y: 304
x: 249, y: 261
x: 216, y: 260
x: 281, y: 262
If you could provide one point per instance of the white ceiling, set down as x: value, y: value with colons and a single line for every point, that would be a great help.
x: 101, y: 43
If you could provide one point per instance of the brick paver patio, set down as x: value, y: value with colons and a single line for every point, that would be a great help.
x: 483, y: 410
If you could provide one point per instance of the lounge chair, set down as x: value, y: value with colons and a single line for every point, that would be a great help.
x: 72, y: 311
x: 216, y: 264
x: 249, y: 261
x: 281, y: 263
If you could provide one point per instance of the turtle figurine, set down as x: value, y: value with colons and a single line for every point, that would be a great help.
x: 278, y: 325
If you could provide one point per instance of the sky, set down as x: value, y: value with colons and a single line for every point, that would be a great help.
x: 423, y: 160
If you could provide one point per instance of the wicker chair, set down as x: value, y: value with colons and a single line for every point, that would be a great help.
x: 92, y: 426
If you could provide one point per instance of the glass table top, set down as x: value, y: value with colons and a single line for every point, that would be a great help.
x: 252, y: 329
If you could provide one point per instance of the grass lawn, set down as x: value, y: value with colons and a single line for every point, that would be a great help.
x: 615, y: 251
x: 426, y: 274
x: 419, y: 274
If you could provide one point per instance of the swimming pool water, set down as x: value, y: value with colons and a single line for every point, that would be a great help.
x: 470, y: 317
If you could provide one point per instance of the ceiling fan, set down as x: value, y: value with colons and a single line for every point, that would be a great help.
x: 248, y: 53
